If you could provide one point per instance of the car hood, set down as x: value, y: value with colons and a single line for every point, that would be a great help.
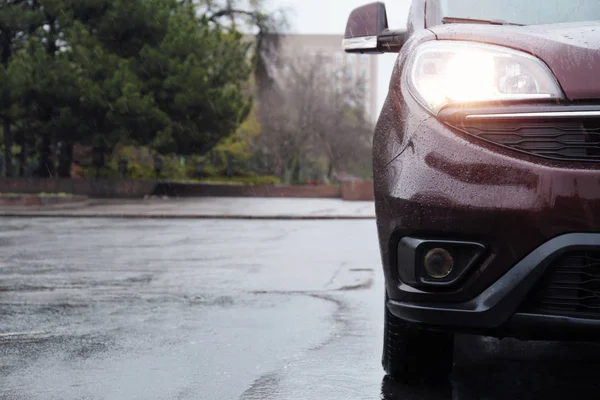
x: 572, y: 51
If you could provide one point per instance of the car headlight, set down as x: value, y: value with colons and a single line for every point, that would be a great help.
x: 453, y: 72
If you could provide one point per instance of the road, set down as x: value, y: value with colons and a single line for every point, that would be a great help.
x: 177, y: 309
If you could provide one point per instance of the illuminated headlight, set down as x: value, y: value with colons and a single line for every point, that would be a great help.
x: 452, y: 72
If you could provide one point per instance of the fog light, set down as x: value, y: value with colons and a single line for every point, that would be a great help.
x: 438, y: 263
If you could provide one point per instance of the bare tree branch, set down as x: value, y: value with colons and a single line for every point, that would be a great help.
x: 315, y: 124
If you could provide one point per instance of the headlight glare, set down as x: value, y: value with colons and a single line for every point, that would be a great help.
x: 451, y: 72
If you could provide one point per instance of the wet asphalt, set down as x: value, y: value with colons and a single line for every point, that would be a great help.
x: 176, y: 309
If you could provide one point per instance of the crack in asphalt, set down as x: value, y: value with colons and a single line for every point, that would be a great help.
x: 336, y: 273
x: 268, y: 384
x: 361, y: 286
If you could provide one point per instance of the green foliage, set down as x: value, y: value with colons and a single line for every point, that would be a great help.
x: 140, y: 165
x: 244, y: 180
x: 127, y: 26
x: 140, y: 161
x: 197, y: 74
x: 239, y: 145
x: 149, y: 73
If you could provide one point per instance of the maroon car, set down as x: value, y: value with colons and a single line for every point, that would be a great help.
x: 487, y: 174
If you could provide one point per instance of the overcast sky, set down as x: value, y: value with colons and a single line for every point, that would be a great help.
x: 330, y: 16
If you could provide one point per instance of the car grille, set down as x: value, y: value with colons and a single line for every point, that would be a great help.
x: 570, y: 287
x: 564, y: 139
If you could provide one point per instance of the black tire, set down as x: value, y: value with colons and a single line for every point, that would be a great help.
x: 412, y: 355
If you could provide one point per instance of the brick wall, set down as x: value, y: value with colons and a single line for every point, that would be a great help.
x: 209, y: 190
x: 358, y: 191
x: 139, y: 188
x: 92, y: 188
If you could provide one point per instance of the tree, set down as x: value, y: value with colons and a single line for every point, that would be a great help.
x: 81, y: 94
x: 106, y: 105
x: 347, y: 136
x: 250, y: 17
x: 124, y: 27
x: 102, y: 72
x: 235, y: 152
x: 197, y: 74
x: 315, y: 120
x: 17, y: 19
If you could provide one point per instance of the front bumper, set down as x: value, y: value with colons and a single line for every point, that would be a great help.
x: 435, y: 182
x: 496, y: 308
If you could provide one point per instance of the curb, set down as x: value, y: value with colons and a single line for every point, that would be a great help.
x: 189, y: 216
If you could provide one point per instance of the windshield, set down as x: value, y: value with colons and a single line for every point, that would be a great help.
x: 526, y: 12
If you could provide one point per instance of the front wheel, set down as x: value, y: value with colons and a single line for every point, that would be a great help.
x: 413, y: 355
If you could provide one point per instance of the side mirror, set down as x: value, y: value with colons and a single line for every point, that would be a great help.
x: 367, y: 31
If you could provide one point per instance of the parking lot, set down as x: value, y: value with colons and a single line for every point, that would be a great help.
x: 227, y: 309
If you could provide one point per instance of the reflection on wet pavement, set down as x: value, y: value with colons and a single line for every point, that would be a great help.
x: 487, y: 368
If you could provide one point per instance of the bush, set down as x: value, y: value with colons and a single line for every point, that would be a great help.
x: 140, y: 165
x: 244, y: 180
